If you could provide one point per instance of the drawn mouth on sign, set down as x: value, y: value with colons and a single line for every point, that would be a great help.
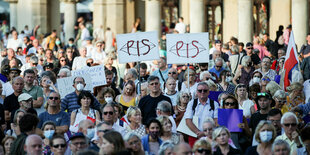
x: 187, y: 50
x: 138, y: 48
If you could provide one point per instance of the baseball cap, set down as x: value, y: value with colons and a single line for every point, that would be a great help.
x: 77, y: 135
x: 249, y: 44
x: 24, y: 97
x: 14, y: 68
x: 49, y: 65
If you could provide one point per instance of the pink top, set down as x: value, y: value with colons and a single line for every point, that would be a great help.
x: 262, y: 51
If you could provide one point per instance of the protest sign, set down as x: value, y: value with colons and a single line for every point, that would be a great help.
x: 214, y: 95
x: 96, y: 73
x: 134, y: 47
x: 65, y: 85
x: 184, y: 128
x: 187, y: 48
x: 230, y: 118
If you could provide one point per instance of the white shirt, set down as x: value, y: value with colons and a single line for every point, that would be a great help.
x: 180, y: 27
x: 7, y: 89
x: 173, y: 98
x: 174, y: 125
x: 246, y: 107
x: 85, y: 34
x: 201, y: 111
x: 12, y: 43
x: 79, y: 62
x: 307, y: 90
x: 27, y: 66
x: 98, y: 57
x: 192, y: 89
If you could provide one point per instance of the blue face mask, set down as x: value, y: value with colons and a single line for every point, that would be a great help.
x: 90, y: 133
x: 49, y: 134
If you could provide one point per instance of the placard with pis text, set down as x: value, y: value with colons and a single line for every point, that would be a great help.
x: 140, y: 46
x: 187, y: 48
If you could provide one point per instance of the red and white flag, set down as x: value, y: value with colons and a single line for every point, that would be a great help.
x: 291, y: 61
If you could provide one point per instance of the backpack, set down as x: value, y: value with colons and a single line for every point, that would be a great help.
x: 196, y: 103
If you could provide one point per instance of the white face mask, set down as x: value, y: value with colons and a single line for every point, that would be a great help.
x: 256, y: 79
x: 79, y: 87
x: 90, y: 133
x: 265, y: 136
x: 108, y: 99
x: 228, y: 79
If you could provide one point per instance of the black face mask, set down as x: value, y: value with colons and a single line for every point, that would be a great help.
x: 88, y: 64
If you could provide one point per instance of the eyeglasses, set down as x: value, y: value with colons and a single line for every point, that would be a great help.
x: 108, y: 112
x: 185, y: 96
x: 90, y: 62
x: 290, y: 124
x: 230, y: 103
x: 53, y: 98
x: 257, y: 76
x: 172, y: 73
x: 202, y: 150
x: 77, y: 82
x: 154, y: 83
x: 202, y: 90
x: 62, y: 60
x: 41, y: 60
x: 104, y: 131
x: 35, y: 64
x: 29, y: 100
x: 250, y: 48
x: 59, y: 145
x: 79, y: 143
x: 266, y: 79
x: 218, y: 66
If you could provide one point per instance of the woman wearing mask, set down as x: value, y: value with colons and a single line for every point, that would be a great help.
x: 244, y: 73
x: 167, y: 133
x: 58, y: 145
x: 128, y: 97
x: 85, y: 100
x: 256, y: 78
x: 134, y: 118
x: 265, y: 134
x: 221, y: 136
x: 151, y: 142
x: 48, y: 129
x: 244, y: 103
x: 106, y: 95
x: 225, y: 84
x: 133, y: 142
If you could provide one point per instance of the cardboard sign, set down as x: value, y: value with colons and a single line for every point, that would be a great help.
x: 141, y: 46
x: 65, y: 85
x: 230, y: 118
x: 185, y: 129
x: 96, y: 73
x: 187, y: 48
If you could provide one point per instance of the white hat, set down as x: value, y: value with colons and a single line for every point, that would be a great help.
x: 24, y: 97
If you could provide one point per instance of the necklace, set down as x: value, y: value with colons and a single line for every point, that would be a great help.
x: 181, y: 108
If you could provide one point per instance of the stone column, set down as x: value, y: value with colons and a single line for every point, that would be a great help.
x: 300, y: 21
x: 54, y: 16
x: 40, y: 15
x: 100, y: 13
x: 69, y: 18
x: 115, y: 15
x: 230, y: 19
x: 245, y: 24
x: 13, y: 13
x: 280, y: 14
x: 197, y: 17
x: 153, y: 15
x: 184, y: 10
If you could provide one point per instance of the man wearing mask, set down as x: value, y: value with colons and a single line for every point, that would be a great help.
x: 69, y: 102
x: 87, y: 127
x: 97, y: 141
x: 53, y: 113
x: 35, y: 91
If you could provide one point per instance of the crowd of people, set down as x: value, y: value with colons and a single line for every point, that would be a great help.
x: 143, y: 105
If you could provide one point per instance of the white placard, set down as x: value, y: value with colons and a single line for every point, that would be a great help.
x: 96, y: 73
x: 187, y: 48
x: 65, y: 85
x: 185, y: 129
x: 140, y: 46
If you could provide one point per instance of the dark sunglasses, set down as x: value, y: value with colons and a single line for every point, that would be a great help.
x: 250, y: 48
x: 108, y: 112
x: 206, y: 151
x: 62, y: 60
x: 290, y: 124
x: 230, y: 103
x: 266, y: 79
x: 202, y: 90
x: 104, y: 131
x: 53, y: 98
x: 218, y: 66
x: 59, y: 145
x: 171, y: 72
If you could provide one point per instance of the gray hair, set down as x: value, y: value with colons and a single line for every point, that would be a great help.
x: 235, y: 48
x: 34, y: 59
x: 66, y: 70
x: 133, y: 72
x: 30, y: 137
x: 180, y: 94
x: 130, y: 135
x: 288, y: 115
x: 218, y: 60
x: 82, y: 123
x: 16, y: 78
x: 209, y: 120
x: 202, y: 84
x: 164, y: 146
x: 202, y: 74
x: 245, y: 59
x: 164, y: 106
x: 281, y: 142
x: 279, y: 94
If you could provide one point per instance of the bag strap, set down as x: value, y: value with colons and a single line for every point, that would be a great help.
x: 237, y: 63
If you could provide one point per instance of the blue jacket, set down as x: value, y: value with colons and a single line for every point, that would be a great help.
x: 145, y: 143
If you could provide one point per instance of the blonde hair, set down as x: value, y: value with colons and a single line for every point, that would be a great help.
x: 260, y: 126
x: 272, y: 87
x: 201, y: 143
x: 132, y: 111
x: 294, y: 86
x: 218, y: 131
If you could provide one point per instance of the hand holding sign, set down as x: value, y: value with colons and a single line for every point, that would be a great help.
x: 140, y: 46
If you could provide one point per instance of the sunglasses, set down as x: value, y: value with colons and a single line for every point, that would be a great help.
x: 250, y: 48
x: 185, y: 96
x: 104, y: 131
x: 63, y: 60
x: 108, y: 112
x: 230, y: 103
x: 59, y: 145
x: 201, y: 150
x: 262, y: 94
x: 290, y: 124
x: 171, y: 72
x: 218, y: 66
x: 53, y: 98
x: 266, y: 79
x: 202, y: 90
